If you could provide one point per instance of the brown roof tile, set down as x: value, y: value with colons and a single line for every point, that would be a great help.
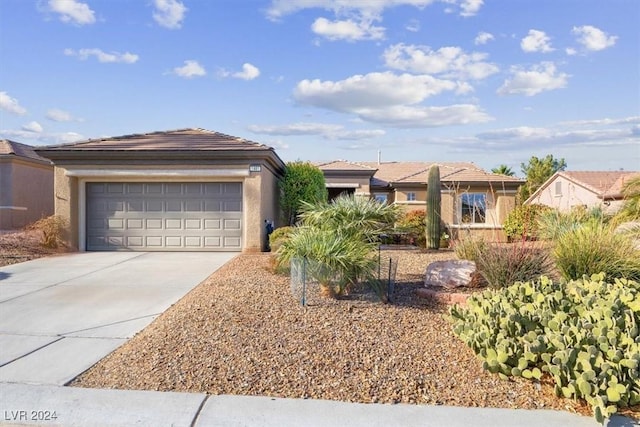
x: 12, y: 148
x: 176, y: 140
x: 343, y: 165
x: 417, y: 172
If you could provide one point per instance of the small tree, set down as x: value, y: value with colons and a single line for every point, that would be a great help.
x: 537, y: 171
x: 434, y: 201
x: 302, y: 182
x: 503, y: 170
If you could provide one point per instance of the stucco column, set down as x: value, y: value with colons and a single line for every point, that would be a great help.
x: 253, y: 221
x: 66, y: 204
x: 447, y: 208
x: 504, y: 205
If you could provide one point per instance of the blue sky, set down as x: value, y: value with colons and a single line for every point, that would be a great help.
x: 436, y: 80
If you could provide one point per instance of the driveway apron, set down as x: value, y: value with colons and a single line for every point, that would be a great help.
x: 60, y: 315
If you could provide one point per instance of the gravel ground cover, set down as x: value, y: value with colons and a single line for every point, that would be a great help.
x: 242, y: 332
x: 20, y: 246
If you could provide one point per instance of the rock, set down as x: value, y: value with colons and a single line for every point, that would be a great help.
x: 449, y: 274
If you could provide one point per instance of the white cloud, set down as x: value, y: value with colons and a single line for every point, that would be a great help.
x: 249, y: 72
x: 373, y: 90
x: 541, y: 77
x: 483, y: 38
x: 101, y: 56
x: 281, y: 8
x: 33, y: 127
x: 302, y: 128
x: 169, y: 13
x: 448, y: 61
x: 72, y: 11
x: 550, y: 138
x: 44, y: 137
x: 536, y: 41
x: 470, y: 7
x: 421, y: 117
x: 347, y: 29
x: 190, y: 69
x: 389, y: 99
x: 413, y: 26
x: 11, y: 105
x: 60, y: 116
x: 571, y: 51
x: 593, y: 38
x: 326, y: 130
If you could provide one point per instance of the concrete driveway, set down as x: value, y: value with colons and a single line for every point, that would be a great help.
x: 60, y: 315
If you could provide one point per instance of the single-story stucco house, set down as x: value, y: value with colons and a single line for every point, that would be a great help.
x: 474, y: 202
x: 26, y: 183
x: 568, y: 189
x: 180, y: 190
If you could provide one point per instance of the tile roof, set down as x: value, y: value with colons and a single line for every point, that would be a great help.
x: 12, y: 148
x: 343, y: 165
x: 417, y: 172
x: 602, y: 183
x: 193, y: 139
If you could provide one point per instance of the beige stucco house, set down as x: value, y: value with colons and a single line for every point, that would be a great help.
x: 474, y: 202
x: 181, y: 190
x: 26, y: 185
x: 568, y: 189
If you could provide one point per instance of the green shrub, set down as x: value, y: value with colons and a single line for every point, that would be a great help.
x: 302, y: 183
x: 552, y: 223
x: 52, y: 228
x: 470, y: 248
x: 278, y: 236
x: 595, y: 247
x: 522, y: 222
x: 338, y: 259
x: 584, y: 335
x: 502, y: 265
x: 349, y: 214
x: 413, y: 223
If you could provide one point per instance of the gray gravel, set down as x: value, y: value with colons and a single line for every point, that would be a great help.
x: 241, y: 332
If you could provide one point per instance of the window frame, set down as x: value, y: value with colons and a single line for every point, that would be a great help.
x: 411, y: 196
x: 476, y: 215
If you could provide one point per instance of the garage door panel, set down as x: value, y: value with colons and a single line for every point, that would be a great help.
x: 164, y: 216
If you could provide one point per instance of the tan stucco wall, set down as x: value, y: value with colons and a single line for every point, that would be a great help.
x: 26, y: 192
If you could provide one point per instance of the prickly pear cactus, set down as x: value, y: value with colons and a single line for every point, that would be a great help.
x: 584, y: 335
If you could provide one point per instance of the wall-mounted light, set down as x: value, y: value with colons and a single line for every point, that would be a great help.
x: 255, y: 168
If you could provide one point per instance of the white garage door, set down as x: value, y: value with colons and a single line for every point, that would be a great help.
x: 154, y: 216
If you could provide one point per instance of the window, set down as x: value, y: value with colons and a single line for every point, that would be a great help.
x: 380, y: 197
x: 473, y: 208
x: 558, y: 191
x: 411, y: 197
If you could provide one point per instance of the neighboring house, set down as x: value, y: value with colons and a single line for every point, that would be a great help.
x: 474, y: 202
x: 568, y: 189
x: 181, y: 190
x: 26, y: 185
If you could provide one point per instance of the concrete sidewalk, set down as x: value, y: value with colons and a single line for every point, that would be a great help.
x: 24, y: 404
x: 62, y: 314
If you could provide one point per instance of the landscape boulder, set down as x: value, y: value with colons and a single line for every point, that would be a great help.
x: 450, y: 274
